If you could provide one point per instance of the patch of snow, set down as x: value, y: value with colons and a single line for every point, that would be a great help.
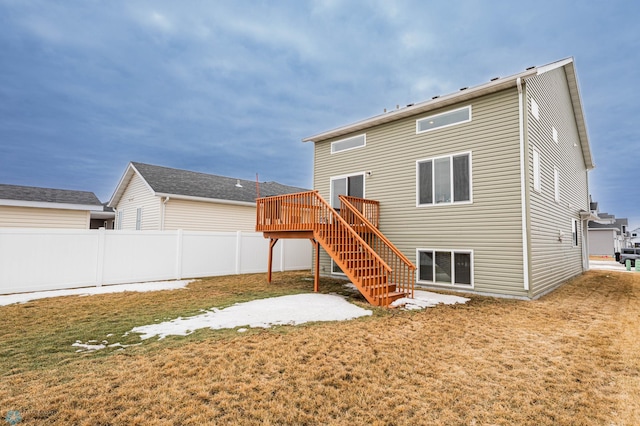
x: 89, y: 291
x: 284, y: 310
x: 608, y: 265
x: 86, y: 347
x: 242, y: 330
x: 92, y: 345
x: 426, y: 299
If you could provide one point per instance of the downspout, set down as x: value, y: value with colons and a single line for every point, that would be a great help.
x: 523, y: 197
x: 162, y: 212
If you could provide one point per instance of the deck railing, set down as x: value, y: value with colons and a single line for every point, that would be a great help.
x: 403, y: 270
x: 308, y: 211
x: 370, y: 209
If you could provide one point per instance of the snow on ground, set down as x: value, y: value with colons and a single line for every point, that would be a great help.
x: 608, y: 265
x: 118, y: 288
x: 284, y: 310
x: 93, y: 345
x: 426, y: 299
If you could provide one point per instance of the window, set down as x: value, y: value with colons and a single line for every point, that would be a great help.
x: 349, y: 143
x: 574, y: 232
x: 138, y: 218
x: 444, y: 180
x: 446, y: 267
x: 554, y: 134
x: 556, y: 184
x: 535, y: 111
x: 536, y: 170
x: 119, y: 219
x: 446, y: 119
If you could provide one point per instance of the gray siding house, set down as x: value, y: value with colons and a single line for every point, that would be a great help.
x: 485, y: 189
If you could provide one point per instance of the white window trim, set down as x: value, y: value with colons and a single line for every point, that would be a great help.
x: 537, y: 174
x: 363, y: 135
x: 364, y: 192
x: 446, y: 125
x: 138, y: 218
x: 119, y: 219
x: 433, y: 181
x: 556, y: 184
x: 535, y: 109
x: 453, y: 272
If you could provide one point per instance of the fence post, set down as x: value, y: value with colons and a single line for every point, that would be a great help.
x: 100, y: 259
x: 179, y: 236
x: 238, y: 252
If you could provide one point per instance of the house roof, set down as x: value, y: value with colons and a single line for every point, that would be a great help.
x: 30, y: 196
x: 186, y: 184
x: 466, y: 94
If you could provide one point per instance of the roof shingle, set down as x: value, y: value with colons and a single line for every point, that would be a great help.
x: 166, y: 180
x: 48, y: 195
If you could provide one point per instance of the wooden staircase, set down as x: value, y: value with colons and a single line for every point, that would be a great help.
x: 377, y: 268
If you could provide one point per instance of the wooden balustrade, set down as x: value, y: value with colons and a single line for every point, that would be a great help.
x: 403, y: 270
x: 304, y: 213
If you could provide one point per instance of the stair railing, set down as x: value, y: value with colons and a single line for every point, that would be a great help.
x: 403, y: 270
x: 308, y: 211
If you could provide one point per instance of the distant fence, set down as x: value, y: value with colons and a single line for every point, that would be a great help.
x: 53, y: 259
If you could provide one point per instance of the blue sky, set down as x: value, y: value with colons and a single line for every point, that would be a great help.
x: 231, y: 87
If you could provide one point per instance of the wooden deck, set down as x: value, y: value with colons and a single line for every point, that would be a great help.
x: 352, y: 239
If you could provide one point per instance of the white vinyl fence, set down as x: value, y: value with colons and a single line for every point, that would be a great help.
x: 53, y: 259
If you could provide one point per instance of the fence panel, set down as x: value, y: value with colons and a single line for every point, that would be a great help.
x: 208, y: 254
x: 36, y: 259
x: 132, y: 256
x: 52, y: 259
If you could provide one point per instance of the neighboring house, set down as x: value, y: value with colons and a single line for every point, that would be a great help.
x: 103, y: 218
x: 635, y: 237
x: 608, y: 235
x: 485, y: 189
x: 33, y: 207
x: 152, y: 197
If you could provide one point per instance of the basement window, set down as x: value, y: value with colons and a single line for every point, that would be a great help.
x: 445, y: 267
x: 445, y: 119
x: 349, y: 143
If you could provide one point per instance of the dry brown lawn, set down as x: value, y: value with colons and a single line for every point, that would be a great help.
x: 570, y: 358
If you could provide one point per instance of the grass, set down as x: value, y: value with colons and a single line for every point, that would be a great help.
x: 569, y: 358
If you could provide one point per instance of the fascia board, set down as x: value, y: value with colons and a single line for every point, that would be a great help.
x: 204, y: 199
x: 46, y: 205
x: 423, y: 107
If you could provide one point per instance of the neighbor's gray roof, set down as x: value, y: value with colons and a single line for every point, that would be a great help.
x: 168, y: 181
x: 47, y: 195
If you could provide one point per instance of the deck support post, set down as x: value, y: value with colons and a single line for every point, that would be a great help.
x: 272, y: 242
x: 316, y: 273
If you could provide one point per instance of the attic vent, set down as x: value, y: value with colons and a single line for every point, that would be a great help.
x: 495, y: 78
x: 238, y: 184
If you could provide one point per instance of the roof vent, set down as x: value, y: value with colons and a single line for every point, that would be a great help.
x: 530, y: 68
x: 436, y: 97
x: 495, y: 78
x: 463, y: 88
x: 238, y: 184
x: 409, y: 105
